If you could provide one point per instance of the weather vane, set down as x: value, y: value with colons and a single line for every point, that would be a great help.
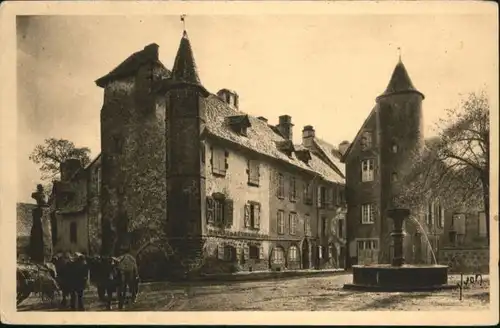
x: 399, y: 52
x: 183, y: 16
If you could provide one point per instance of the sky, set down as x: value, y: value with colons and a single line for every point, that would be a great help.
x: 322, y: 70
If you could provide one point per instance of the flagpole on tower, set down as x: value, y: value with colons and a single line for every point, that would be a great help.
x: 183, y: 20
x: 399, y: 53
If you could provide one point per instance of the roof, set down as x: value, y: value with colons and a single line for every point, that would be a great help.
x: 331, y: 152
x: 24, y: 219
x: 130, y: 65
x: 348, y: 150
x: 261, y: 138
x: 400, y: 82
x: 184, y: 65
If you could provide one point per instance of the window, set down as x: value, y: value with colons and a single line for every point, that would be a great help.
x: 229, y: 253
x: 331, y: 197
x: 252, y: 215
x: 254, y: 252
x: 308, y: 198
x: 117, y: 144
x: 482, y: 224
x: 293, y: 223
x: 73, y: 232
x: 202, y: 152
x: 367, y: 170
x: 321, y: 197
x: 429, y: 215
x: 340, y: 228
x: 368, y: 244
x: 292, y: 190
x: 307, y: 225
x: 253, y: 173
x: 366, y: 140
x: 439, y: 214
x: 219, y: 161
x: 320, y: 252
x: 219, y: 210
x: 341, y: 196
x: 281, y: 186
x: 458, y: 224
x: 394, y: 177
x: 278, y: 255
x: 293, y: 253
x: 330, y: 252
x: 367, y: 214
x: 281, y: 222
x: 323, y: 226
x: 394, y: 148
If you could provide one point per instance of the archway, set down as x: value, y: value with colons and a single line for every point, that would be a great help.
x: 305, y: 254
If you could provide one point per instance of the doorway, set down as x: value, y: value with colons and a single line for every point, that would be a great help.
x: 305, y: 254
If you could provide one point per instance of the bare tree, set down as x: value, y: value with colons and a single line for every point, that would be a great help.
x: 454, y: 166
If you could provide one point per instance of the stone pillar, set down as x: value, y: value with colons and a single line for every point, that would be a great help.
x: 41, y: 232
x: 398, y: 215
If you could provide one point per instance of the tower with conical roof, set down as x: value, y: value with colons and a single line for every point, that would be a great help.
x: 400, y: 136
x: 185, y: 119
x: 378, y: 156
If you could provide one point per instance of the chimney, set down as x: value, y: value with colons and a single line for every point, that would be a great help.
x: 69, y: 167
x: 308, y: 135
x: 262, y: 118
x: 343, y: 146
x: 285, y: 126
x: 229, y: 97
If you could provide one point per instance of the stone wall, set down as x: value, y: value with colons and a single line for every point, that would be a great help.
x: 133, y: 161
x: 466, y: 260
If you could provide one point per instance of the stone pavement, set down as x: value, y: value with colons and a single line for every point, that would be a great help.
x: 317, y: 293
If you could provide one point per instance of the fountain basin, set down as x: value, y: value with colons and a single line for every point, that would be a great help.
x: 388, y: 278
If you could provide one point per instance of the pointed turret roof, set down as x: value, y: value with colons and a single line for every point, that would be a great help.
x: 400, y: 82
x: 184, y: 65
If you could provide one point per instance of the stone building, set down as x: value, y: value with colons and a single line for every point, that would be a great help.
x: 375, y: 161
x: 187, y: 175
x: 74, y: 208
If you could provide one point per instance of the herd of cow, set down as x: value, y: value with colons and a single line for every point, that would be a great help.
x: 110, y: 275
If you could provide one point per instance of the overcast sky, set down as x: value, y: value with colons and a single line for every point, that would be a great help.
x: 324, y: 71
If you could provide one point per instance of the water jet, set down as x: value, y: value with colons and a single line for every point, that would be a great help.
x: 398, y: 276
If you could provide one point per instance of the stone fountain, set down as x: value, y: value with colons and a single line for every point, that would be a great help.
x: 398, y: 276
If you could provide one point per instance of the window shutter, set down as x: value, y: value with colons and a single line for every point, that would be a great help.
x: 256, y: 216
x: 228, y: 215
x: 210, y: 210
x: 246, y: 218
x: 246, y: 252
x: 261, y: 252
x: 226, y: 164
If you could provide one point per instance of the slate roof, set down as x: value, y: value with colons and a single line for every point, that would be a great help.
x: 331, y: 152
x: 130, y: 65
x: 400, y: 81
x: 24, y: 219
x: 184, y: 65
x: 261, y: 138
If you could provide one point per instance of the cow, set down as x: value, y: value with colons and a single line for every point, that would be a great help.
x: 72, y: 276
x: 115, y: 274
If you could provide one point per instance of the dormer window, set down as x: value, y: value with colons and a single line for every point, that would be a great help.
x: 304, y: 155
x: 239, y: 123
x: 286, y: 147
